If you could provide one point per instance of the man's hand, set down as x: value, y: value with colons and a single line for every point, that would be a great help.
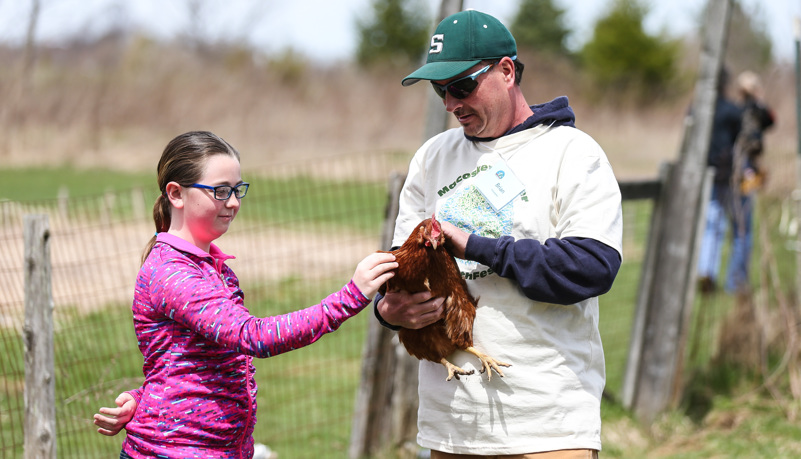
x: 410, y: 310
x: 116, y: 418
x: 455, y: 239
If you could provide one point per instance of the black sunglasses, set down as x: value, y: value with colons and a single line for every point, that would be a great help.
x: 462, y: 87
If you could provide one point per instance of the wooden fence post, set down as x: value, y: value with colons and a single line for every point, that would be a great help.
x: 655, y: 383
x: 374, y: 422
x: 40, y: 383
x: 385, y: 416
x: 797, y: 190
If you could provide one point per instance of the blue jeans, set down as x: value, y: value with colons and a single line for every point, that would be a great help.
x: 742, y: 243
x: 723, y: 210
x: 712, y: 240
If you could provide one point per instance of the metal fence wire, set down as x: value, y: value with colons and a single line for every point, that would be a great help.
x: 299, y: 235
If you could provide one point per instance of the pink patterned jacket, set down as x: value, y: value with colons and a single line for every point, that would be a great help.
x: 198, y: 341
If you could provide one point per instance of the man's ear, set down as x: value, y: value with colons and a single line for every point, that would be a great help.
x: 507, y: 66
x: 174, y: 193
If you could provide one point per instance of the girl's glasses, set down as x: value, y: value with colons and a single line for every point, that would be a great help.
x: 462, y: 87
x: 223, y: 192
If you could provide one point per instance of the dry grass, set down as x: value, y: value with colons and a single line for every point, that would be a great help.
x: 117, y: 104
x: 122, y: 115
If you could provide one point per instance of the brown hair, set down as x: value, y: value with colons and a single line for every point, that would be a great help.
x: 182, y: 162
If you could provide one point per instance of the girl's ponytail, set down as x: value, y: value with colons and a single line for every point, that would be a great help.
x: 161, y: 217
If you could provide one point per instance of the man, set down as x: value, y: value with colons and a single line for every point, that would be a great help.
x: 747, y: 178
x: 531, y: 208
x: 726, y: 124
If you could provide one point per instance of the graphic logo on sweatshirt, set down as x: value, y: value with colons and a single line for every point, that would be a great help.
x: 469, y: 211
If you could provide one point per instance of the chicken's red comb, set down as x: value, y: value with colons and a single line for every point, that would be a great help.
x: 435, y: 226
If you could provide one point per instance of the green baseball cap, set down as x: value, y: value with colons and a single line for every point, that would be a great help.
x: 461, y: 41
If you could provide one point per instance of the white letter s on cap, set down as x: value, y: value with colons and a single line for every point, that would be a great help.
x: 436, y: 44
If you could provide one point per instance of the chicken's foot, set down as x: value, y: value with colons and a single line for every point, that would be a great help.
x: 488, y: 363
x: 453, y: 370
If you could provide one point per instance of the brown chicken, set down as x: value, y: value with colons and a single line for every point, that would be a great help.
x: 424, y: 264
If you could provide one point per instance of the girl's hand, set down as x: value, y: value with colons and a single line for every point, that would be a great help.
x: 116, y: 418
x: 373, y: 271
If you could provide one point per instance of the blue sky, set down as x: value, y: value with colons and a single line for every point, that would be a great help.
x: 325, y: 30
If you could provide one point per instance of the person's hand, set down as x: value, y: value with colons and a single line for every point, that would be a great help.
x: 410, y: 310
x: 116, y: 418
x: 455, y: 239
x: 373, y: 271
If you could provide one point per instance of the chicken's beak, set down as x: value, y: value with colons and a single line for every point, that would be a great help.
x: 434, y: 244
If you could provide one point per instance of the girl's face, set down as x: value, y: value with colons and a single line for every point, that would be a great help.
x: 204, y: 217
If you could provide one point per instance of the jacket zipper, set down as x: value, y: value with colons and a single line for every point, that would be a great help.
x: 250, y: 406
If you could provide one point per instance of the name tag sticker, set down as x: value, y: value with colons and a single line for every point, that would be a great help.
x: 499, y: 185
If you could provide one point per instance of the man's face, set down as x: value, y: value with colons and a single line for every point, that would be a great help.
x: 486, y: 111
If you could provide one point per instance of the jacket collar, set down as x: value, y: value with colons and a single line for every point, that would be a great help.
x: 185, y: 246
x: 554, y: 113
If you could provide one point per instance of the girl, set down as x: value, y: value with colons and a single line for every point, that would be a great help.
x: 197, y: 338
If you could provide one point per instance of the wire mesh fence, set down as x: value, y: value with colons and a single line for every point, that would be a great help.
x: 300, y: 233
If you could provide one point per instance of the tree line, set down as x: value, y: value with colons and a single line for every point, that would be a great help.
x: 620, y: 57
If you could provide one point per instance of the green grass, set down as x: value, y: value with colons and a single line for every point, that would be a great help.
x: 316, y: 204
x: 725, y: 411
x: 745, y: 426
x: 617, y: 307
x: 306, y: 396
x: 34, y: 184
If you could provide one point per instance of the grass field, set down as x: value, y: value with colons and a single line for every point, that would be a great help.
x: 36, y: 183
x: 306, y: 397
x: 319, y: 382
x: 297, y: 390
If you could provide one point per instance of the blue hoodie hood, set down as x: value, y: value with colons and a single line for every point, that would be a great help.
x: 555, y: 113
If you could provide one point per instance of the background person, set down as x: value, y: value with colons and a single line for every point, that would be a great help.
x: 735, y: 151
x: 537, y: 256
x: 747, y: 178
x: 726, y: 123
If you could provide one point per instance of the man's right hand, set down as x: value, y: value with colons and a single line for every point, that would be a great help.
x: 410, y: 310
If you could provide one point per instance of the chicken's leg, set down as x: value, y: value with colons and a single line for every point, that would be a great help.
x: 453, y: 370
x: 488, y: 363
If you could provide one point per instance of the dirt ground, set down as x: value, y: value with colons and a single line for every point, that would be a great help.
x: 94, y: 265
